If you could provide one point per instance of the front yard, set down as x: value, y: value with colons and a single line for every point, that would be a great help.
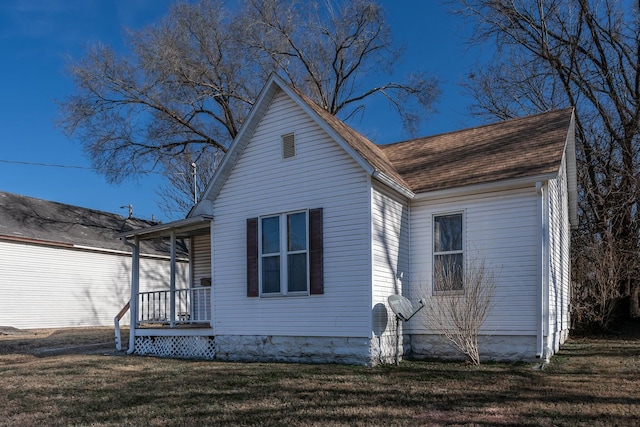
x: 74, y: 377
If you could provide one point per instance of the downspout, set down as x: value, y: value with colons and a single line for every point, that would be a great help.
x: 135, y: 285
x: 542, y: 268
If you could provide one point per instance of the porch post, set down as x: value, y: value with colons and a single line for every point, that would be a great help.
x: 173, y: 279
x: 135, y: 287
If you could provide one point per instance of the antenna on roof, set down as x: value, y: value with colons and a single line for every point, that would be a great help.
x: 130, y: 209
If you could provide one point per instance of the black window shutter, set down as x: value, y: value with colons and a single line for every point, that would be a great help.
x: 316, y: 274
x: 252, y: 257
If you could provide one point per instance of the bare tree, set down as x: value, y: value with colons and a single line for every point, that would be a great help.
x: 459, y: 310
x: 186, y: 183
x: 349, y: 41
x: 596, y: 289
x: 190, y: 80
x: 583, y: 53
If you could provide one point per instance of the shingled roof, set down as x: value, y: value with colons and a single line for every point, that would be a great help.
x: 39, y: 221
x: 518, y: 148
x: 531, y: 147
x: 371, y: 152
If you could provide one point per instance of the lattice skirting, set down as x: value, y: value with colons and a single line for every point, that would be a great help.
x: 179, y: 347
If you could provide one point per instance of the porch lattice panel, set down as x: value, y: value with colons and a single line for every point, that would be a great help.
x: 179, y: 347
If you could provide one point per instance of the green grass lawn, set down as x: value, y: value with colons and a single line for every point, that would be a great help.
x: 73, y: 377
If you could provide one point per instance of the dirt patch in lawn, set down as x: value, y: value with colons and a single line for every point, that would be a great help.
x: 49, y: 342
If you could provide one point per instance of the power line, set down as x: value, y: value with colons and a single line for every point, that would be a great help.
x: 54, y: 165
x: 17, y: 162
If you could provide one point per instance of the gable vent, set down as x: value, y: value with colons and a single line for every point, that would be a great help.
x: 288, y: 146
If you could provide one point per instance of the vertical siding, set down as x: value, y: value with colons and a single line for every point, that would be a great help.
x: 501, y: 227
x: 321, y: 175
x: 390, y: 245
x: 46, y: 287
x: 559, y: 247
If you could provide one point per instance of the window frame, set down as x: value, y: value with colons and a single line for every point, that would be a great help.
x: 283, y: 253
x: 435, y: 253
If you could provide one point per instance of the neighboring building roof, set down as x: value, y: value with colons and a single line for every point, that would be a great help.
x: 39, y: 221
x: 519, y: 148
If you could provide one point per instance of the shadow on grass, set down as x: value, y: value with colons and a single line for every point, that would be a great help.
x: 85, y: 389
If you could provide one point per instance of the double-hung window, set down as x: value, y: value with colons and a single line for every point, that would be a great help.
x: 284, y: 254
x: 448, y: 252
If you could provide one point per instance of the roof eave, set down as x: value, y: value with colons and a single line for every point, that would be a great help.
x: 335, y: 135
x: 183, y: 226
x: 485, y: 187
x: 384, y: 179
x: 572, y: 175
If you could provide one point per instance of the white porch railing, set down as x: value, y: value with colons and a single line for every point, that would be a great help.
x: 116, y: 323
x: 192, y: 306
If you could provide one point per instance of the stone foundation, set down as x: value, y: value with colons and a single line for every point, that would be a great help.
x: 492, y: 348
x: 554, y: 341
x: 351, y: 351
x: 271, y: 348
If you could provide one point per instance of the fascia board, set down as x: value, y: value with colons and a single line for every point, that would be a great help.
x: 484, y: 187
x: 572, y: 176
x: 384, y: 179
x: 183, y: 225
x: 328, y: 129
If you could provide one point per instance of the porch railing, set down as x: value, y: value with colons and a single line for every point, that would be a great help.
x: 116, y: 323
x: 192, y: 306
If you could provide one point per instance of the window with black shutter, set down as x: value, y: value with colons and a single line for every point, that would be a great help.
x: 285, y: 254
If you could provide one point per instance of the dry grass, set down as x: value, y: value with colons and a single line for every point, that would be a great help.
x: 73, y: 377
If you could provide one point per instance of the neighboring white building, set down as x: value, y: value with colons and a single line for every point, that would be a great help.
x: 65, y: 266
x: 308, y: 227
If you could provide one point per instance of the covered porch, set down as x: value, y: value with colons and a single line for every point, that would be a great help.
x: 172, y: 321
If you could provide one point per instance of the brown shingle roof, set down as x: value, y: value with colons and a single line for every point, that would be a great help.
x: 371, y: 152
x: 517, y: 148
x: 526, y: 147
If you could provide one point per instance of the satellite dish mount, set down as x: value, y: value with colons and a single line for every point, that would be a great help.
x: 404, y: 311
x: 403, y: 308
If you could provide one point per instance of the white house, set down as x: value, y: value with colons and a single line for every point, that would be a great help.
x: 308, y: 227
x: 64, y: 266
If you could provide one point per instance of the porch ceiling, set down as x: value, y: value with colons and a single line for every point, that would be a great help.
x: 183, y: 228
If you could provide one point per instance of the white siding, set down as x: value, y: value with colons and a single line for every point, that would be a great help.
x: 390, y: 245
x: 559, y: 258
x: 321, y: 175
x: 200, y: 269
x: 500, y: 227
x: 201, y: 258
x: 47, y: 287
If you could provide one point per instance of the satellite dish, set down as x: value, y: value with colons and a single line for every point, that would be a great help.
x: 402, y: 307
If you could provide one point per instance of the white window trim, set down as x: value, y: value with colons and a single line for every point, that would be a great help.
x: 284, y: 252
x: 463, y: 251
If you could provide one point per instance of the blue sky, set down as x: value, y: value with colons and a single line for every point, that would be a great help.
x: 37, y: 36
